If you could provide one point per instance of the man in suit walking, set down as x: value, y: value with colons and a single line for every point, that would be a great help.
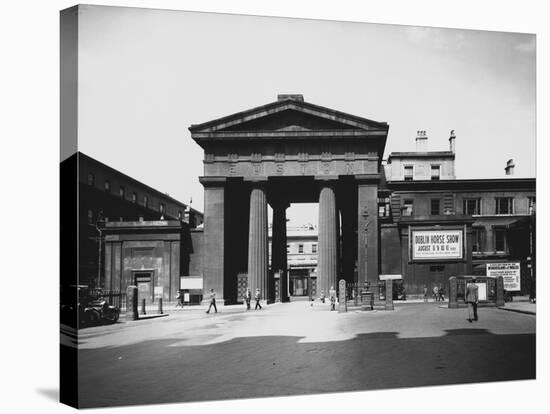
x: 471, y: 300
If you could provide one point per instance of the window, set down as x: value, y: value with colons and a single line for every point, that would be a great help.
x: 408, y: 172
x: 314, y: 248
x: 407, y: 209
x: 134, y: 197
x: 122, y: 191
x: 91, y: 179
x: 146, y: 201
x: 288, y: 248
x: 162, y: 207
x: 383, y: 207
x: 504, y: 205
x: 90, y: 217
x: 436, y: 172
x: 435, y: 209
x: 478, y: 236
x: 107, y: 186
x: 500, y: 240
x: 300, y: 248
x: 471, y: 206
x: 437, y: 268
x: 532, y: 205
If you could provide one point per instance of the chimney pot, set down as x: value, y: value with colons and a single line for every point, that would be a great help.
x: 509, y: 169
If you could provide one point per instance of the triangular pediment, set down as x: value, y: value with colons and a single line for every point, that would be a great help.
x: 288, y: 115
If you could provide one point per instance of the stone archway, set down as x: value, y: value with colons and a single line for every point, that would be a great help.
x: 283, y: 152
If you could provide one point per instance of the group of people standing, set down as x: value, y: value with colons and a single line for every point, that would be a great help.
x: 438, y: 293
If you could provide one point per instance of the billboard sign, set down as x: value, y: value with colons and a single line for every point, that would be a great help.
x: 437, y: 244
x: 510, y: 273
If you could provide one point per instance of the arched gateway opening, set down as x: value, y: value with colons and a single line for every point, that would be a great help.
x: 289, y: 151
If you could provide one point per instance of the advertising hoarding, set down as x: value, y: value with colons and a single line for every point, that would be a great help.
x: 437, y: 244
x: 510, y: 273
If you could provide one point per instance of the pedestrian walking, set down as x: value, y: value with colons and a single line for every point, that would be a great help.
x: 247, y: 298
x: 441, y: 293
x: 332, y: 296
x: 435, y: 292
x: 179, y: 299
x: 212, y: 301
x: 322, y: 296
x: 425, y: 293
x: 257, y: 298
x: 472, y: 299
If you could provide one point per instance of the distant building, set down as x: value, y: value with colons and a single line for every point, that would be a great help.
x: 106, y: 195
x: 422, y: 198
x: 301, y: 248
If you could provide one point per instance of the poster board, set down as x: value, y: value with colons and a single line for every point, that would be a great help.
x: 510, y: 272
x: 437, y: 244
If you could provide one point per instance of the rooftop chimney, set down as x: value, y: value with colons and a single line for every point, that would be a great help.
x: 452, y: 139
x: 421, y: 141
x: 290, y: 97
x: 509, y: 167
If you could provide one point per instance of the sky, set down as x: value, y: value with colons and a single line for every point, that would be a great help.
x: 146, y: 75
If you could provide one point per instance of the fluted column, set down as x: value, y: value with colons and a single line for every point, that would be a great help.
x: 327, y: 264
x: 257, y: 242
x: 278, y: 246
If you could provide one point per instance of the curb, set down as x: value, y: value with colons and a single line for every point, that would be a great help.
x: 518, y: 311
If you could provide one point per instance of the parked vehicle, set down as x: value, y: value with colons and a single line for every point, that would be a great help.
x: 92, y: 308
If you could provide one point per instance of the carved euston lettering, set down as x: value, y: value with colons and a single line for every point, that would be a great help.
x: 279, y: 168
x: 349, y: 168
x: 303, y: 168
x: 325, y: 167
x: 257, y: 168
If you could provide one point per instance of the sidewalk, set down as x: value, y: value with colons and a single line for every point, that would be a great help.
x: 520, y: 307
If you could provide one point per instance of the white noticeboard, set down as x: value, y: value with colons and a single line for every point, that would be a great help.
x: 481, y: 291
x: 510, y: 273
x: 158, y: 291
x: 191, y: 282
x: 436, y: 244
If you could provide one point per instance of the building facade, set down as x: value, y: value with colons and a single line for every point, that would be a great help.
x: 410, y: 219
x: 106, y: 195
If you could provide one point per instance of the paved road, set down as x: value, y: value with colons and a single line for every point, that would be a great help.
x: 293, y: 349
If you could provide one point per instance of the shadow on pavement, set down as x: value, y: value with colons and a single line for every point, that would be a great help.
x: 267, y: 366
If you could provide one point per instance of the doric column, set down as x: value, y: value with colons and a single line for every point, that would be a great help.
x: 278, y: 245
x: 327, y: 264
x: 257, y: 242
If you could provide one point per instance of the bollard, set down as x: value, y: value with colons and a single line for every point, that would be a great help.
x: 342, y: 305
x: 160, y: 306
x: 500, y: 291
x: 453, y: 302
x: 132, y: 303
x: 143, y: 307
x: 389, y: 294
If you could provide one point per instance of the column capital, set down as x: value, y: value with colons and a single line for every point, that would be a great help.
x: 279, y: 204
x: 367, y: 178
x: 211, y: 181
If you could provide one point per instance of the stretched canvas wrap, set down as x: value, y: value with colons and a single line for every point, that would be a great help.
x: 267, y: 207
